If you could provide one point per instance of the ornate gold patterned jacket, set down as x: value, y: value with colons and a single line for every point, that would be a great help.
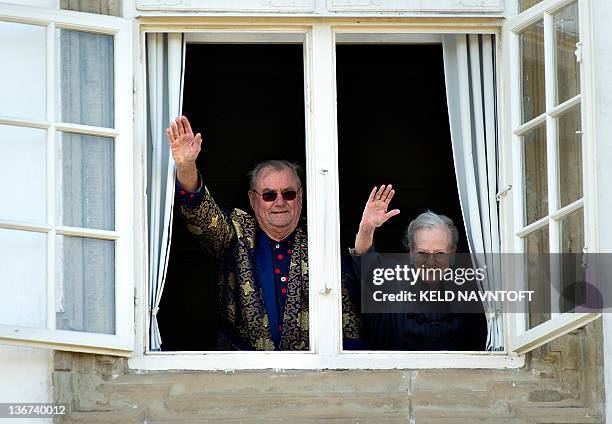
x: 231, y: 238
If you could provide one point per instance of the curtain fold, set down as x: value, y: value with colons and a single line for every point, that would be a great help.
x: 469, y: 63
x: 165, y: 57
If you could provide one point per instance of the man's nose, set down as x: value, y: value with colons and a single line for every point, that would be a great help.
x: 280, y: 200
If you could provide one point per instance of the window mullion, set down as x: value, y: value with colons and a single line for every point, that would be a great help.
x: 323, y: 172
x: 51, y: 186
x: 551, y: 160
x: 588, y: 172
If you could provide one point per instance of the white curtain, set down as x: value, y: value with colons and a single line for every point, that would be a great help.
x: 165, y: 59
x: 469, y: 62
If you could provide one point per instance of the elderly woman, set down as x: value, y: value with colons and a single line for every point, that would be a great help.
x: 432, y: 241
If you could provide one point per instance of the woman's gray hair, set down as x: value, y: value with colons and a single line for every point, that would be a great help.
x: 428, y: 220
x: 278, y: 165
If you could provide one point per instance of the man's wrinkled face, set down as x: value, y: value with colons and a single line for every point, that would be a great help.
x: 433, y: 248
x: 280, y: 216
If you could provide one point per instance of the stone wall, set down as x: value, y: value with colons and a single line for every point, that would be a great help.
x: 562, y: 382
x: 102, y: 7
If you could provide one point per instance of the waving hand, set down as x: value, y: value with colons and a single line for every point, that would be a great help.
x: 375, y: 214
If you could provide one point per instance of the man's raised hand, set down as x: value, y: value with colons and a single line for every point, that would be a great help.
x: 184, y: 145
x: 185, y: 149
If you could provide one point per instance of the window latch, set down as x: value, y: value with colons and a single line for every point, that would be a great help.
x: 502, y: 193
x: 578, y: 52
x: 325, y: 291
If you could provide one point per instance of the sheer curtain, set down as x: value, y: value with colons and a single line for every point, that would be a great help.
x: 165, y: 54
x: 469, y: 63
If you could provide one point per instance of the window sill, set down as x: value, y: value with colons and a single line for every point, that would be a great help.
x: 164, y: 361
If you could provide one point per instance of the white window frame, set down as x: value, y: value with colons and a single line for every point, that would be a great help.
x: 323, y: 215
x: 521, y: 338
x: 331, y: 6
x: 121, y: 343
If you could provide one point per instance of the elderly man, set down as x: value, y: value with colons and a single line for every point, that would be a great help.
x: 263, y: 282
x: 431, y: 240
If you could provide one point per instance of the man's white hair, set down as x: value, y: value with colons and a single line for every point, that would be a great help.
x: 278, y: 165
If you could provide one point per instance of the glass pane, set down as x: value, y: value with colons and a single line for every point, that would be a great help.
x: 86, y: 73
x: 572, y: 232
x: 86, y: 175
x: 570, y: 156
x: 23, y: 84
x: 538, y: 275
x: 85, y: 284
x: 23, y: 168
x: 568, y: 68
x: 532, y: 71
x: 573, y: 276
x: 526, y: 4
x: 535, y: 177
x: 23, y: 273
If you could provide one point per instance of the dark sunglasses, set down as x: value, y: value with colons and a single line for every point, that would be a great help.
x: 270, y: 196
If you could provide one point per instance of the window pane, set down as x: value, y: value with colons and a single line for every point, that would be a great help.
x: 23, y: 284
x: 572, y: 233
x: 532, y: 70
x: 86, y: 73
x: 535, y: 177
x: 23, y: 83
x: 23, y: 168
x: 86, y: 175
x: 373, y: 83
x: 85, y: 284
x: 573, y: 275
x: 570, y: 156
x: 538, y: 275
x: 568, y: 68
x: 253, y: 92
x: 526, y: 4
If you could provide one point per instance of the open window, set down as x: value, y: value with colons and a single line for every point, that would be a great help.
x: 393, y: 128
x: 66, y: 255
x: 462, y: 64
x: 550, y: 185
x: 245, y: 93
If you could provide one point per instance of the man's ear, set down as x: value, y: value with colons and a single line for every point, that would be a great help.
x: 251, y: 198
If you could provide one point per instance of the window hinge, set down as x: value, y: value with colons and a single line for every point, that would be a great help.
x: 578, y: 52
x: 584, y: 256
x: 502, y: 193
